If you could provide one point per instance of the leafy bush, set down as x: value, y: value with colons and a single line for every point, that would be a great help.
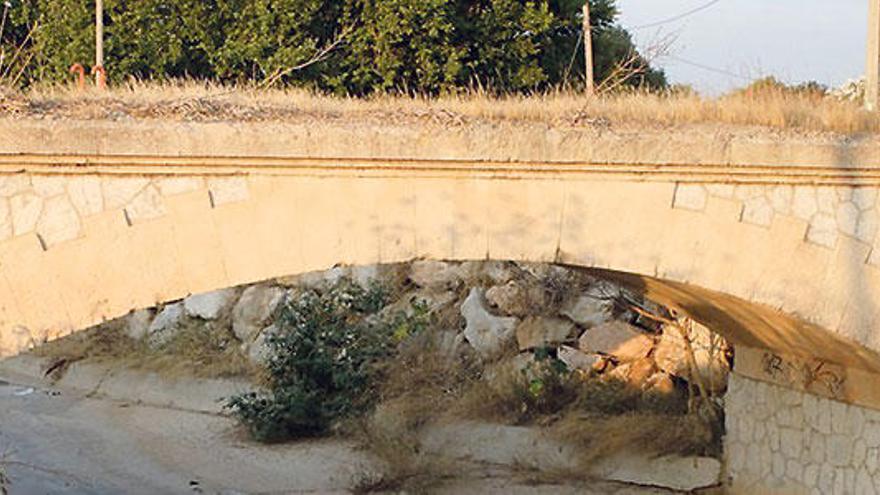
x: 323, y: 363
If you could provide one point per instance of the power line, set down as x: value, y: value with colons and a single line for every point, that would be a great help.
x: 677, y: 17
x: 709, y: 68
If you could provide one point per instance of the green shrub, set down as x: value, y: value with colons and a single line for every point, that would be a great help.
x: 323, y: 363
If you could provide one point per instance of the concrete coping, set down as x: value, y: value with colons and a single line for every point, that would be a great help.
x: 532, y: 144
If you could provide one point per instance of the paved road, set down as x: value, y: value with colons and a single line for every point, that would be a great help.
x: 65, y: 443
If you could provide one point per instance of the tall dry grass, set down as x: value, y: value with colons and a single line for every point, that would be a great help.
x: 191, y: 100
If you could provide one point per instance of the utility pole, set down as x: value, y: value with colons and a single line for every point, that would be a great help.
x: 872, y: 68
x: 99, y: 40
x: 588, y: 50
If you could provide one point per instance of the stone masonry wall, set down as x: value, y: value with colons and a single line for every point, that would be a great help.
x: 830, y: 212
x: 780, y: 440
x: 54, y: 206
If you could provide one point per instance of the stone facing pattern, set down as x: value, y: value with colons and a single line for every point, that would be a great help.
x: 54, y: 206
x: 829, y: 211
x: 782, y: 440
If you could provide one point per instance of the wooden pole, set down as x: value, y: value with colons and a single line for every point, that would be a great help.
x: 588, y: 51
x: 99, y: 39
x: 872, y: 67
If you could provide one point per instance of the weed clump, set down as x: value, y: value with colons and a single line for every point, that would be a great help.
x: 324, y: 361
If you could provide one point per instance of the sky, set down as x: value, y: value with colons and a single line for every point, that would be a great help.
x: 794, y: 40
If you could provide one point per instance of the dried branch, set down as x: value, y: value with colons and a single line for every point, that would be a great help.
x: 319, y: 56
x: 684, y: 326
x: 18, y: 51
x: 636, y: 64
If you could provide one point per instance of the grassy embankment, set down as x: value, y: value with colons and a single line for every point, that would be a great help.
x: 186, y: 100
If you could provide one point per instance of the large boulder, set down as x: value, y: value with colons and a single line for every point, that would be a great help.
x: 540, y: 331
x: 254, y: 308
x: 317, y: 280
x: 166, y: 324
x: 618, y: 339
x: 640, y: 371
x: 517, y: 298
x: 137, y: 323
x: 435, y: 300
x: 258, y: 351
x: 435, y: 274
x: 210, y: 305
x: 364, y: 275
x: 486, y: 333
x: 576, y: 359
x: 660, y: 383
x: 588, y: 310
x: 487, y: 272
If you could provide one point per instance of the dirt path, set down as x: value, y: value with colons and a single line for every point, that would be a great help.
x: 63, y: 442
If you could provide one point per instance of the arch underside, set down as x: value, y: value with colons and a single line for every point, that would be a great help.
x: 762, y: 286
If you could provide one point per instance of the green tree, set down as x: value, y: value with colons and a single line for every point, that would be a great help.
x: 413, y: 46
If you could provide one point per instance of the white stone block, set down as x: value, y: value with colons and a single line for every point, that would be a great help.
x: 827, y: 199
x: 85, y: 194
x: 5, y: 220
x: 10, y: 185
x: 823, y: 230
x: 791, y: 442
x: 690, y: 197
x: 865, y: 198
x: 147, y: 205
x: 26, y: 209
x: 119, y: 191
x: 59, y: 221
x: 804, y: 203
x: 838, y: 450
x: 48, y: 186
x: 226, y: 190
x: 757, y: 211
x: 847, y: 218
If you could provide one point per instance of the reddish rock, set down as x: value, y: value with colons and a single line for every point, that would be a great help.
x: 618, y: 339
x: 640, y: 371
x: 660, y: 383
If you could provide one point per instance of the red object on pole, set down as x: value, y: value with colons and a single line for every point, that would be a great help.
x: 101, y: 76
x: 80, y: 72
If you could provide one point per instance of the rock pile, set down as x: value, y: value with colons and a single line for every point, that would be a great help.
x: 495, y: 310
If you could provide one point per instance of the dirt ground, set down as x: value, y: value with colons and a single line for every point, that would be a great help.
x: 55, y: 441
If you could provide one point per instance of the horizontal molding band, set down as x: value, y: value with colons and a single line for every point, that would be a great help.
x: 69, y: 164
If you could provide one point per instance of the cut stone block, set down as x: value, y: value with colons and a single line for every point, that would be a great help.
x: 617, y: 339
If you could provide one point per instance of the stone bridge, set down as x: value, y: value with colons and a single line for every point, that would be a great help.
x: 771, y: 241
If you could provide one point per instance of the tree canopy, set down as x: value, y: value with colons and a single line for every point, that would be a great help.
x: 365, y: 46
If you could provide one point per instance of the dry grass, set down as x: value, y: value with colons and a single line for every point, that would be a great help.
x: 650, y: 433
x: 419, y: 385
x: 199, y: 349
x: 193, y: 101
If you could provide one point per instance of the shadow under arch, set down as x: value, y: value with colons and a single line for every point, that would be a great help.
x: 747, y: 323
